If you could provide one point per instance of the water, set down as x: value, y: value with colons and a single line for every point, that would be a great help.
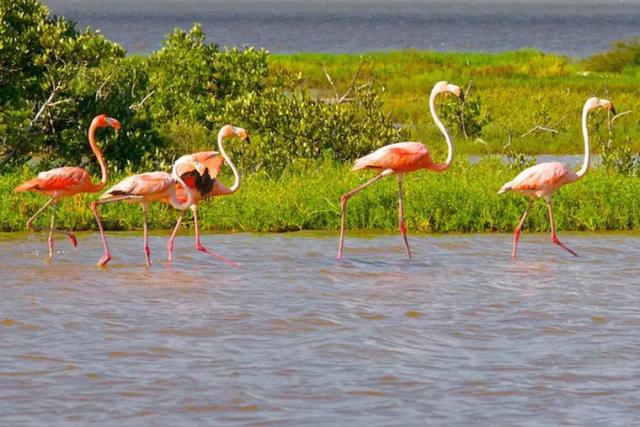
x: 571, y: 27
x: 460, y: 335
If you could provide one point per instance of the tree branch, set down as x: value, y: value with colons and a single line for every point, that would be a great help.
x: 137, y: 105
x: 539, y: 128
x: 46, y: 104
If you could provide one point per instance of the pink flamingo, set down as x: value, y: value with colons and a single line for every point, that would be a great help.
x: 143, y: 189
x: 68, y: 181
x: 543, y: 179
x: 401, y: 158
x: 199, y: 172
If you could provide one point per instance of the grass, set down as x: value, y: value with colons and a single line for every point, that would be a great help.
x: 463, y: 199
x: 518, y: 91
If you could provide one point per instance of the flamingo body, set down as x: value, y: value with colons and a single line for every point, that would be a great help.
x: 69, y: 181
x: 203, y: 183
x: 541, y: 180
x: 145, y: 187
x: 61, y: 182
x: 199, y: 172
x: 400, y: 157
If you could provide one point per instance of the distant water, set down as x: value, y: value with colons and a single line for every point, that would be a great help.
x: 461, y: 335
x: 576, y: 28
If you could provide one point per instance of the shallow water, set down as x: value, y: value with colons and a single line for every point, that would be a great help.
x: 574, y: 27
x: 460, y: 335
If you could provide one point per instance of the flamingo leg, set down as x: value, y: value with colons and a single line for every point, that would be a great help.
x: 200, y: 247
x: 31, y: 226
x: 173, y: 237
x: 516, y: 234
x: 343, y: 205
x: 94, y: 207
x: 51, y: 228
x: 403, y: 227
x: 554, y: 235
x: 145, y: 232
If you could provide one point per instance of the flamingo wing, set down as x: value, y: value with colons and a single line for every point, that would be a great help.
x: 58, y: 179
x: 400, y: 157
x: 203, y: 182
x: 145, y: 184
x: 212, y: 160
x: 540, y: 177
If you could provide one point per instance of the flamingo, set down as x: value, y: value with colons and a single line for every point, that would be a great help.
x: 543, y: 179
x: 199, y: 172
x: 143, y: 189
x: 68, y: 181
x: 401, y: 158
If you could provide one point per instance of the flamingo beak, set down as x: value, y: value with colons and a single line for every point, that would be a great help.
x: 613, y: 110
x: 461, y: 96
x: 113, y: 123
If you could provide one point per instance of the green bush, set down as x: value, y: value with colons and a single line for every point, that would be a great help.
x: 622, y: 54
x: 55, y: 79
x: 465, y: 118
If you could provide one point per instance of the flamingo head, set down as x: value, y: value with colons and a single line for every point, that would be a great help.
x: 607, y: 105
x: 595, y: 102
x: 229, y: 130
x: 103, y: 121
x: 455, y: 89
x: 446, y: 87
x: 241, y: 133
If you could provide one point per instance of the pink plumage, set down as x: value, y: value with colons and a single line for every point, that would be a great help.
x: 401, y: 158
x: 542, y: 180
x: 68, y: 181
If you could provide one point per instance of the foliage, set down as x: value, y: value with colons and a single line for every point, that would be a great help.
x: 294, y: 125
x: 171, y: 102
x: 467, y: 118
x: 518, y: 90
x: 620, y: 158
x: 306, y: 196
x: 54, y: 80
x: 622, y: 54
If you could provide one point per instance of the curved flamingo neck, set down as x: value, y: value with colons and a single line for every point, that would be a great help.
x: 443, y: 130
x: 172, y: 193
x: 96, y: 150
x: 585, y: 134
x: 236, y: 175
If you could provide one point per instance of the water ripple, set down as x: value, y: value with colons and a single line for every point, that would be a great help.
x: 461, y: 334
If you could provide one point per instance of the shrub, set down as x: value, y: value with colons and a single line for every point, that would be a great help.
x: 622, y: 54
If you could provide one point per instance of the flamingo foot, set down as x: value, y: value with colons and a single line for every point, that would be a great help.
x: 104, y: 260
x: 74, y: 241
x: 169, y: 251
x: 147, y: 254
x: 222, y: 258
x: 403, y: 232
x: 516, y: 236
x: 51, y: 244
x: 557, y: 241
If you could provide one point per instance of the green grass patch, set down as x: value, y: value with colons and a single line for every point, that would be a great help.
x: 518, y: 90
x: 306, y: 197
